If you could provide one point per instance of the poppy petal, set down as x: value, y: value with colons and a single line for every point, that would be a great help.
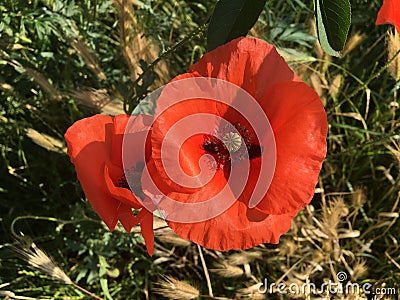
x: 249, y: 63
x: 169, y: 144
x: 210, y: 201
x: 237, y: 228
x: 126, y: 217
x: 252, y: 178
x: 300, y: 127
x: 389, y: 14
x: 146, y: 226
x: 89, y: 148
x: 86, y: 131
x: 119, y: 125
x: 129, y: 133
x: 121, y: 194
x: 144, y: 217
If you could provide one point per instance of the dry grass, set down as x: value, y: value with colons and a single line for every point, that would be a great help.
x: 176, y: 289
x: 41, y: 261
x: 88, y: 55
x: 353, y: 42
x: 136, y: 46
x: 173, y: 239
x: 244, y: 257
x: 322, y: 243
x: 98, y: 100
x: 394, y: 47
x: 46, y: 141
x: 226, y: 270
x: 352, y: 225
x: 44, y: 83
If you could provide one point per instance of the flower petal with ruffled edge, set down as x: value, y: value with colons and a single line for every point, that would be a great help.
x: 95, y: 149
x: 238, y: 228
x: 299, y: 126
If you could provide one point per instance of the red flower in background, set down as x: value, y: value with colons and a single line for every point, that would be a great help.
x: 389, y: 14
x: 95, y: 148
x: 299, y: 125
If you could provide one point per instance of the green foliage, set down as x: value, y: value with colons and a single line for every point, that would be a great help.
x: 333, y: 23
x: 232, y: 19
x: 284, y: 32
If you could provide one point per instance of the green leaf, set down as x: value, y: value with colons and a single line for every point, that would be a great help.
x: 232, y: 19
x: 103, y: 270
x: 333, y: 22
x: 147, y: 106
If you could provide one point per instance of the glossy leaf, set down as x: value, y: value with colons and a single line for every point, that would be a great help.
x: 333, y: 23
x: 232, y: 19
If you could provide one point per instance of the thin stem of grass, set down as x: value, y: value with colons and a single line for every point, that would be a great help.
x: 51, y: 219
x: 86, y: 291
x: 206, y: 274
x: 382, y: 139
x: 374, y: 76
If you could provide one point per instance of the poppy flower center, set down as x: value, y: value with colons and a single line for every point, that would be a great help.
x: 232, y: 141
x: 133, y: 176
x: 227, y: 146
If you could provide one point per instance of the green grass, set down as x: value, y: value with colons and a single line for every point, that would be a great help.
x: 351, y: 225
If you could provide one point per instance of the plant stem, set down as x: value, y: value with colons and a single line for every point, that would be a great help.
x: 86, y: 291
x: 203, y: 262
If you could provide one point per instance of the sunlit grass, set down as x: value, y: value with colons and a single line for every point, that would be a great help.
x: 48, y: 81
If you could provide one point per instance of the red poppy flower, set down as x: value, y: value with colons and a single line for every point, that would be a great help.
x: 294, y: 132
x: 95, y: 148
x: 389, y: 14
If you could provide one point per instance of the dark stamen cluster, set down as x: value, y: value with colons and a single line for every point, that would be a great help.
x: 134, y: 177
x: 214, y: 145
